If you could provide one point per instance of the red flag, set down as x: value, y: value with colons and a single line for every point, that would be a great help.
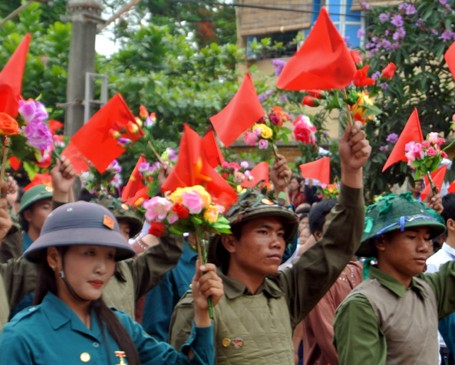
x: 241, y: 113
x: 79, y: 162
x: 134, y: 185
x: 192, y: 169
x: 318, y: 170
x: 451, y: 188
x: 322, y: 62
x: 11, y: 78
x: 411, y: 133
x: 259, y: 173
x: 39, y: 179
x: 438, y: 179
x: 211, y: 150
x: 450, y: 58
x: 97, y: 139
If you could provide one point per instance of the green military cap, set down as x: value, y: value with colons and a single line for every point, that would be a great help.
x: 121, y: 211
x: 253, y: 204
x: 35, y: 194
x: 397, y: 212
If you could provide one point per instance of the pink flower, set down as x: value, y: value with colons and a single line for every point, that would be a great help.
x: 426, y: 144
x: 263, y: 144
x: 193, y: 201
x: 304, y: 131
x: 38, y: 134
x: 250, y: 138
x: 156, y: 208
x: 244, y: 164
x: 431, y: 152
x: 238, y: 177
x: 32, y: 110
x: 172, y: 217
x: 433, y: 137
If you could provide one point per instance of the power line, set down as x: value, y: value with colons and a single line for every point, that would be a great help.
x: 264, y: 7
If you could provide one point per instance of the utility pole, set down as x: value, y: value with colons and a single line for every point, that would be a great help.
x: 85, y: 15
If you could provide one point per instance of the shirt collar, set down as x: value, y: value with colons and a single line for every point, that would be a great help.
x: 58, y: 314
x: 234, y: 288
x: 394, y: 285
x: 448, y: 249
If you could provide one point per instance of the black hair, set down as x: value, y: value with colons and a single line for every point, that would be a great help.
x: 297, y: 177
x: 105, y: 317
x: 316, y: 218
x: 448, y: 202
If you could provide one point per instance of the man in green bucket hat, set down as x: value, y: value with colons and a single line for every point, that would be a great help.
x: 392, y: 317
x: 255, y: 319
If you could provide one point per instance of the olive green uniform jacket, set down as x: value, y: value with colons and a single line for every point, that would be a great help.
x: 257, y: 328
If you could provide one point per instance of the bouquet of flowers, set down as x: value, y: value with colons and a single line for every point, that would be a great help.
x: 28, y: 138
x: 108, y: 182
x: 358, y: 96
x: 235, y: 174
x: 187, y: 210
x: 329, y: 191
x: 268, y: 130
x: 425, y: 157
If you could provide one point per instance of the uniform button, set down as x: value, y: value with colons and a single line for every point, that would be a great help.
x: 96, y: 345
x: 85, y: 357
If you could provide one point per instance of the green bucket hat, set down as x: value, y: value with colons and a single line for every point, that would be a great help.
x: 35, y: 194
x: 252, y: 204
x: 121, y: 211
x: 397, y: 212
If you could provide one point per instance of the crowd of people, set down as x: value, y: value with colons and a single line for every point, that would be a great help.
x: 299, y: 280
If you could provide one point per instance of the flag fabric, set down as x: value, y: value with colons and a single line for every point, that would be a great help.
x: 135, y: 188
x: 79, y: 162
x: 11, y: 78
x: 322, y: 62
x: 211, y: 150
x: 438, y: 179
x: 259, y: 173
x: 318, y: 170
x: 98, y: 139
x: 450, y: 59
x: 39, y: 179
x: 411, y: 133
x: 241, y: 113
x: 451, y: 188
x: 193, y: 169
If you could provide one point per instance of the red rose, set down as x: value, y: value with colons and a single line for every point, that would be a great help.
x: 315, y: 93
x: 389, y: 71
x: 310, y: 101
x: 157, y: 229
x: 181, y: 211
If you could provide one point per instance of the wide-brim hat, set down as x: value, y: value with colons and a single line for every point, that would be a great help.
x: 121, y: 211
x: 79, y: 223
x: 397, y: 212
x: 35, y: 194
x: 252, y: 205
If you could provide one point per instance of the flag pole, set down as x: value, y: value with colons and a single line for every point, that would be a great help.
x: 345, y: 97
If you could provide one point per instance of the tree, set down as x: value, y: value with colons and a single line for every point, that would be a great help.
x: 414, y: 36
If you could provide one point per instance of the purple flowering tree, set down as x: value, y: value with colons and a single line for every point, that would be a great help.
x: 414, y: 36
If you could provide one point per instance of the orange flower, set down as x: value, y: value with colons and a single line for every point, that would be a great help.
x: 143, y: 113
x: 8, y: 125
